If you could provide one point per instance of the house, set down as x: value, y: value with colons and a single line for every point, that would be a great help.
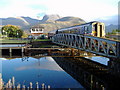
x: 37, y: 31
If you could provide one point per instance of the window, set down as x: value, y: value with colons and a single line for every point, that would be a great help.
x: 32, y: 29
x: 86, y: 29
x: 41, y: 29
x: 37, y: 29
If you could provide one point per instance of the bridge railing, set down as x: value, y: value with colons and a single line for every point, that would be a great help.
x: 97, y: 45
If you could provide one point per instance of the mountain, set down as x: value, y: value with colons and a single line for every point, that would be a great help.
x: 31, y: 21
x: 61, y: 23
x: 54, y: 22
x: 50, y: 18
x: 111, y: 22
x: 108, y: 20
x: 70, y: 19
x: 19, y: 21
x: 15, y: 21
x: 110, y: 27
x: 50, y: 22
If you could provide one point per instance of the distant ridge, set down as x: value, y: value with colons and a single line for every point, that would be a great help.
x: 50, y: 18
x: 50, y: 22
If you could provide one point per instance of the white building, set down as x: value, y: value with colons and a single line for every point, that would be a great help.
x: 37, y: 31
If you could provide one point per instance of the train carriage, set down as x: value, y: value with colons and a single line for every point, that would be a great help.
x: 94, y: 28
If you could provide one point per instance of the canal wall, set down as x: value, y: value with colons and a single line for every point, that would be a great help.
x: 37, y: 44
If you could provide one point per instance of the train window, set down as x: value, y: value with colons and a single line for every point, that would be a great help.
x: 76, y: 30
x: 67, y: 31
x: 72, y: 31
x: 59, y: 32
x: 86, y: 29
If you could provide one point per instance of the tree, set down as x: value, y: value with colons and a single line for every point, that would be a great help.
x: 12, y: 31
x: 25, y: 35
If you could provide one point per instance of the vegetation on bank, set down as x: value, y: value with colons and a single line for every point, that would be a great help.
x: 14, y: 41
x: 41, y: 40
x: 116, y: 31
x: 12, y: 31
x: 21, y: 40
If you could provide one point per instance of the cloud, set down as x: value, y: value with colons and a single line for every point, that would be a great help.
x: 45, y: 63
x: 85, y: 9
x: 20, y: 8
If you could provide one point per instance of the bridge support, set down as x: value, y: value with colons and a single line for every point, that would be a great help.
x: 72, y: 52
x: 49, y: 52
x: 114, y: 66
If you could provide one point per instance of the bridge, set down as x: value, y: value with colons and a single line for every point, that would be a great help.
x: 96, y: 45
x: 100, y: 46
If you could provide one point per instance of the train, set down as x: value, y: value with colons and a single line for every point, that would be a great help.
x: 93, y: 28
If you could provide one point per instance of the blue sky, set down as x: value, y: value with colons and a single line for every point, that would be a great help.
x: 85, y: 9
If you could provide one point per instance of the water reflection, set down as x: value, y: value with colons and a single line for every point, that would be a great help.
x: 12, y: 45
x: 46, y: 63
x: 102, y: 60
x: 87, y: 72
x: 91, y: 75
x: 41, y: 70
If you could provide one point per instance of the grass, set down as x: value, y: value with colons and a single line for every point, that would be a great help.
x: 46, y: 46
x: 42, y: 40
x: 13, y: 41
x: 20, y: 41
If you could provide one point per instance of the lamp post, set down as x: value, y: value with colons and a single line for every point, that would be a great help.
x: 17, y: 34
x: 4, y: 33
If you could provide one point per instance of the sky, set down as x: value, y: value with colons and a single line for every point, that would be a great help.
x: 85, y: 9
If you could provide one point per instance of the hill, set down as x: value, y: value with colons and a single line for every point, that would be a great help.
x: 110, y: 28
x: 50, y: 18
x: 50, y: 22
x: 61, y: 23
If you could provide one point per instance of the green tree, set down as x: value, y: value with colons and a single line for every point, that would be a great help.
x: 12, y: 31
x: 25, y: 35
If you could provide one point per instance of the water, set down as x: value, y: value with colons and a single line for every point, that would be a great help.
x: 101, y: 60
x: 12, y: 45
x: 41, y: 70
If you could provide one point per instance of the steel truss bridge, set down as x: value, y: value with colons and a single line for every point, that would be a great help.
x: 96, y: 45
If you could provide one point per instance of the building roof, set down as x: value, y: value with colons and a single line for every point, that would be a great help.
x: 37, y: 26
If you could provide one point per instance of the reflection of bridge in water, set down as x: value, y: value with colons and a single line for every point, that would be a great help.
x: 90, y: 74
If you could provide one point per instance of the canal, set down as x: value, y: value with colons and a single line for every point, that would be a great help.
x: 37, y: 69
x: 42, y: 70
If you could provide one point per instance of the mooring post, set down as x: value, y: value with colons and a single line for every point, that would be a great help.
x: 22, y: 49
x: 49, y: 52
x: 10, y: 50
x: 10, y: 54
x: 118, y: 49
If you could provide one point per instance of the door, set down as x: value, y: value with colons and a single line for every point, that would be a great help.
x: 101, y: 31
